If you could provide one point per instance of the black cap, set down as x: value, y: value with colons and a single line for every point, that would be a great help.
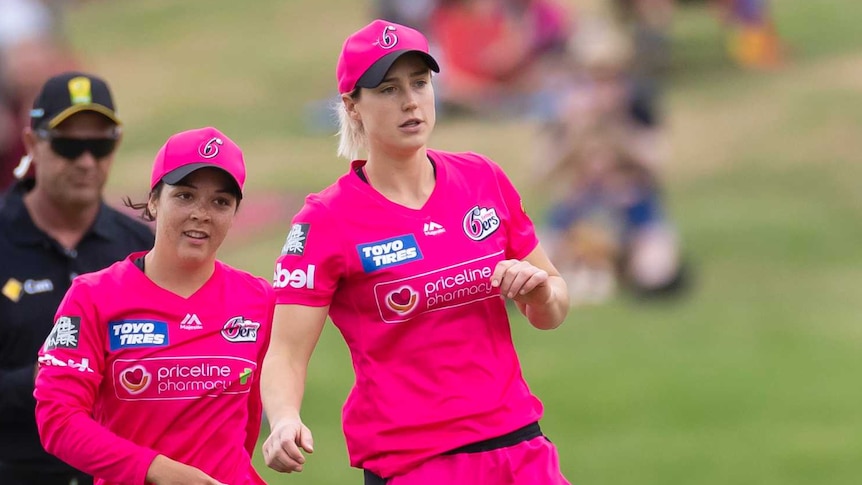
x: 69, y: 93
x: 375, y: 74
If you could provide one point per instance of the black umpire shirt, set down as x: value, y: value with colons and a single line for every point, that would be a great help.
x: 35, y: 272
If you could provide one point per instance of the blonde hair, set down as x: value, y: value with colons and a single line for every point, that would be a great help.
x: 351, y: 134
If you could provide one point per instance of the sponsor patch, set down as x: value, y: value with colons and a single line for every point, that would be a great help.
x: 402, y: 300
x: 238, y: 329
x: 135, y: 379
x: 389, y: 252
x: 126, y: 334
x: 295, y: 242
x: 65, y: 334
x: 187, y: 377
x: 34, y: 287
x: 462, y: 284
x: 50, y: 360
x: 297, y: 278
x: 245, y: 375
x: 480, y: 222
x: 13, y: 289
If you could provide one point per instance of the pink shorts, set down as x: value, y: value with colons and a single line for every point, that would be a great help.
x: 532, y: 462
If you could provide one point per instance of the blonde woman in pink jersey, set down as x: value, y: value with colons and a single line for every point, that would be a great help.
x: 409, y: 254
x: 150, y: 374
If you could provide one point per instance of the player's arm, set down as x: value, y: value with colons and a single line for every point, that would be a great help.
x: 255, y: 406
x: 68, y: 383
x: 536, y: 287
x: 71, y: 372
x: 295, y: 332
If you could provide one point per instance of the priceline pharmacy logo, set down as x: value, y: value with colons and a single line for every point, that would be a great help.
x: 171, y: 378
x: 464, y: 283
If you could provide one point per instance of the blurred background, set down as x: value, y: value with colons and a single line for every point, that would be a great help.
x: 693, y: 166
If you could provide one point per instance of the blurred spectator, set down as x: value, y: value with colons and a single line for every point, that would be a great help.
x: 496, y: 52
x: 648, y: 24
x: 609, y: 228
x: 412, y: 13
x: 32, y: 49
x: 602, y: 158
x: 753, y: 41
x: 602, y: 57
x: 595, y: 92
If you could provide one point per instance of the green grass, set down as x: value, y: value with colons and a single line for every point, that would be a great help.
x: 752, y: 379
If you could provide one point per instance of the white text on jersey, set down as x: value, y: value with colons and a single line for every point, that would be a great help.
x: 297, y: 278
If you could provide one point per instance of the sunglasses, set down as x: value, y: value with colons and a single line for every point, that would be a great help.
x: 72, y: 148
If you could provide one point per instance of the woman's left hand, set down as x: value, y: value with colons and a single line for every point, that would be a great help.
x: 521, y: 281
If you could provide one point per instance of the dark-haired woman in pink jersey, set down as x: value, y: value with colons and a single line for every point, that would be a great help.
x: 151, y: 373
x: 409, y: 253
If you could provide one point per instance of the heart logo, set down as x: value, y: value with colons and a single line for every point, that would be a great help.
x: 135, y: 376
x: 135, y: 379
x: 403, y: 300
x: 402, y: 297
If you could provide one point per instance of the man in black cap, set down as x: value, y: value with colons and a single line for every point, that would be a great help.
x: 53, y: 227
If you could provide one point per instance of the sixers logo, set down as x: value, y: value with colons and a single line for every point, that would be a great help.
x: 238, y: 329
x: 480, y: 222
x: 135, y: 379
x: 387, y: 39
x: 403, y: 300
x: 210, y: 149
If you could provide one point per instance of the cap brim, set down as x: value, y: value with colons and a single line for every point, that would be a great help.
x: 174, y: 176
x: 375, y: 74
x: 66, y: 113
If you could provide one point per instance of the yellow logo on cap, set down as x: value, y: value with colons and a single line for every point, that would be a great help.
x: 79, y: 90
x: 12, y: 289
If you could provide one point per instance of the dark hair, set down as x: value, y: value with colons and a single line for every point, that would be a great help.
x: 144, y: 207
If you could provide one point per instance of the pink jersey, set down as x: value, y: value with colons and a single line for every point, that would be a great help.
x: 131, y: 370
x: 410, y: 292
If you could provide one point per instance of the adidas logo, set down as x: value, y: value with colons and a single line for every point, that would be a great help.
x: 191, y: 322
x: 432, y: 229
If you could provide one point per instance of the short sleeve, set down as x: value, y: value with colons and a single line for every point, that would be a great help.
x: 520, y: 231
x: 312, y: 260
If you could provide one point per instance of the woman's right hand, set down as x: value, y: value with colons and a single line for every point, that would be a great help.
x: 281, y: 450
x: 164, y: 471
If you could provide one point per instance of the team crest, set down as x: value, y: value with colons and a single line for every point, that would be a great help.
x: 481, y: 222
x: 238, y: 329
x: 80, y: 91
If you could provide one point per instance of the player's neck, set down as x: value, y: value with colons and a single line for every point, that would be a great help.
x: 183, y: 279
x: 408, y: 182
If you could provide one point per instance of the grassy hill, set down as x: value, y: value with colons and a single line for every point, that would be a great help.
x: 753, y: 379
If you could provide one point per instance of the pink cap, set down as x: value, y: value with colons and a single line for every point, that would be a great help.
x: 368, y: 54
x: 188, y: 151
